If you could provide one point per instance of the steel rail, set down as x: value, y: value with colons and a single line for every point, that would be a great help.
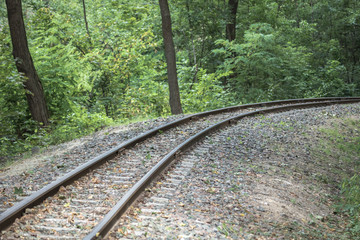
x: 16, y: 211
x: 106, y: 224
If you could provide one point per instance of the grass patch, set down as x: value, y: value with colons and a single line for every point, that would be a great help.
x: 350, y: 203
x: 342, y: 142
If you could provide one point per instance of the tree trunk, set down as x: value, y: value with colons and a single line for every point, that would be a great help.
x: 231, y: 26
x: 24, y: 63
x: 85, y: 20
x: 191, y: 27
x: 175, y: 103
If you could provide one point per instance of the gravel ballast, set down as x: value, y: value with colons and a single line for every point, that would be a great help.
x: 31, y: 174
x: 255, y: 180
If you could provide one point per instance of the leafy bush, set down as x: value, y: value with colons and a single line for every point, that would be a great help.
x: 74, y: 125
x: 150, y: 99
x: 205, y: 93
x: 12, y: 145
x: 77, y: 124
x: 13, y: 115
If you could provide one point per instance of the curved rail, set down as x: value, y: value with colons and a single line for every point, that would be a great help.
x: 119, y: 209
x: 9, y: 216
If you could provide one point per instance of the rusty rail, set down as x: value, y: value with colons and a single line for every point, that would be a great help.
x: 125, y: 202
x: 9, y: 216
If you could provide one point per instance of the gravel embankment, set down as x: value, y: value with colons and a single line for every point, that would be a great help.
x: 255, y: 180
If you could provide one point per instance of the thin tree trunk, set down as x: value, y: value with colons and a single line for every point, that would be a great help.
x: 85, y: 19
x: 231, y: 26
x: 24, y: 63
x: 191, y: 27
x: 175, y: 103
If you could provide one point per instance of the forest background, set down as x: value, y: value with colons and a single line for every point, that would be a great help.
x: 113, y: 68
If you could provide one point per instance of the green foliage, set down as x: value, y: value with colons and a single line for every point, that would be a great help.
x: 117, y: 72
x: 13, y: 115
x: 350, y: 190
x: 77, y: 124
x: 205, y: 93
x: 86, y: 79
x: 196, y: 26
x: 149, y: 100
x: 11, y: 144
x: 266, y: 66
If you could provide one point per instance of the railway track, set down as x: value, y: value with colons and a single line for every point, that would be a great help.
x: 85, y: 202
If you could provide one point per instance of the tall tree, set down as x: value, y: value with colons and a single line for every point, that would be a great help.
x: 231, y: 26
x: 24, y: 63
x: 175, y: 103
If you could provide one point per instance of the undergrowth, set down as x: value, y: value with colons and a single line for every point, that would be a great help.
x: 343, y: 142
x: 35, y: 137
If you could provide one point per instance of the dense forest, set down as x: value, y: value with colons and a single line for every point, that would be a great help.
x: 101, y: 62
